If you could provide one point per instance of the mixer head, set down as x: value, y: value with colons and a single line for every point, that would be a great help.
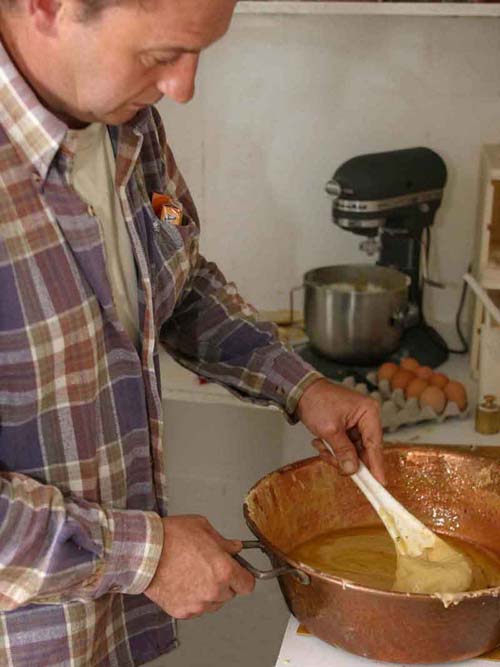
x: 401, y: 187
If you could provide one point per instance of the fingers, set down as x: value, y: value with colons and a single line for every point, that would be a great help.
x: 229, y: 546
x: 370, y: 429
x: 372, y: 458
x: 197, y: 572
x: 330, y: 411
x: 235, y: 546
x: 240, y: 581
x: 219, y: 600
x: 232, y: 580
x: 206, y: 608
x: 237, y: 581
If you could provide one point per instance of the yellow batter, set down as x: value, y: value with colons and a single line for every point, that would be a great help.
x: 367, y: 556
x: 439, y: 569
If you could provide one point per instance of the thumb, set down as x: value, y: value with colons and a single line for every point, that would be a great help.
x: 345, y: 452
x: 233, y: 546
x: 230, y: 546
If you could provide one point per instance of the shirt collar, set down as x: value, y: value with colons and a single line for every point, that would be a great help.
x: 31, y: 128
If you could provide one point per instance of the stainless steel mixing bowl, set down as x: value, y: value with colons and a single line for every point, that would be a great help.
x: 355, y: 313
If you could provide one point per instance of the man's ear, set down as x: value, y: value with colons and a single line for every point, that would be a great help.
x: 45, y: 14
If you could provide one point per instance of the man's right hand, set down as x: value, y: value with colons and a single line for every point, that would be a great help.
x: 196, y: 573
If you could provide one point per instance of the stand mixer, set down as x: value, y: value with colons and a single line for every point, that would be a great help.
x: 391, y: 199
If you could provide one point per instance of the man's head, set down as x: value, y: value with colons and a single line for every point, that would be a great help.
x: 104, y: 60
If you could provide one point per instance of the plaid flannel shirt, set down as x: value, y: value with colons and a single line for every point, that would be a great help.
x: 82, y: 483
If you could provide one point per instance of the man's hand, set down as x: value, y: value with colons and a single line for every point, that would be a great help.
x: 196, y: 573
x: 348, y: 421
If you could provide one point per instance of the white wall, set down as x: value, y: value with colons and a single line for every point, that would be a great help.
x: 215, y: 454
x: 283, y: 101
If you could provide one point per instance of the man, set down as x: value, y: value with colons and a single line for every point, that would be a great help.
x: 99, y: 264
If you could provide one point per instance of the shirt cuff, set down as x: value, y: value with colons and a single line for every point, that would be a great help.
x: 134, y: 554
x: 292, y: 376
x: 297, y: 392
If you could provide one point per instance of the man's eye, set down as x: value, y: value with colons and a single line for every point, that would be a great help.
x: 156, y: 61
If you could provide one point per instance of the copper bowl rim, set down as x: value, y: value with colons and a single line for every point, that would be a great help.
x: 455, y: 598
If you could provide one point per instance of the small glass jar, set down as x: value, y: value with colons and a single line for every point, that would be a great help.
x: 488, y: 416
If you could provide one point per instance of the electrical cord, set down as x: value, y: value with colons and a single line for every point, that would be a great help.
x: 458, y: 326
x: 458, y: 316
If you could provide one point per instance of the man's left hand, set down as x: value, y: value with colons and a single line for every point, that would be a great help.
x: 348, y: 421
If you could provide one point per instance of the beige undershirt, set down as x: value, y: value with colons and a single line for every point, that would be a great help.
x: 93, y: 177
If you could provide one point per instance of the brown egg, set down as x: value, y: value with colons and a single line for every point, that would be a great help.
x: 387, y: 370
x: 433, y: 397
x: 402, y: 378
x: 424, y: 372
x: 409, y: 364
x: 439, y: 380
x: 416, y: 387
x: 455, y: 392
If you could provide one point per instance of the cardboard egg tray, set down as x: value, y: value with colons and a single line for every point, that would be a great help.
x: 396, y: 410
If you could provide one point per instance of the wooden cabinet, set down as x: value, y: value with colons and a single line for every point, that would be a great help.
x: 485, y: 349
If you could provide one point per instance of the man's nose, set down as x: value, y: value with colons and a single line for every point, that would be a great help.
x: 178, y: 80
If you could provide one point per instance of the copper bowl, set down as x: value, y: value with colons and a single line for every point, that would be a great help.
x: 454, y: 493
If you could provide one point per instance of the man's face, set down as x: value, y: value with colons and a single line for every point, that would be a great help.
x: 132, y: 54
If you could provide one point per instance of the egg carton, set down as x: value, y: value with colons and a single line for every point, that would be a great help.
x: 396, y: 410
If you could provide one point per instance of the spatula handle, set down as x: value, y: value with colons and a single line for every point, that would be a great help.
x: 378, y: 497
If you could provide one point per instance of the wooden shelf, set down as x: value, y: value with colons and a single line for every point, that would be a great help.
x: 453, y: 9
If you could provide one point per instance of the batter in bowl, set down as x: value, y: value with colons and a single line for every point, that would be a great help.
x: 367, y: 556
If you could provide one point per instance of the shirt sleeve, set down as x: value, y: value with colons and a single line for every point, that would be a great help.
x: 214, y: 333
x: 59, y: 549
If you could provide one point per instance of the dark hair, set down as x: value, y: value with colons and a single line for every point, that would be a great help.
x: 88, y: 9
x: 91, y: 9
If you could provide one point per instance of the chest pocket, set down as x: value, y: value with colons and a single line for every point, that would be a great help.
x: 174, y: 256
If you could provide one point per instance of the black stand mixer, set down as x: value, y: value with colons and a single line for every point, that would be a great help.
x: 391, y: 199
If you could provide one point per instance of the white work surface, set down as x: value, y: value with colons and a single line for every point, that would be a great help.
x: 307, y: 651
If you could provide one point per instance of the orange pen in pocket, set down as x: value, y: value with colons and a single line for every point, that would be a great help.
x: 167, y: 208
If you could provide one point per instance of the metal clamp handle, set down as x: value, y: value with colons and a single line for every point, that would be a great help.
x: 269, y: 574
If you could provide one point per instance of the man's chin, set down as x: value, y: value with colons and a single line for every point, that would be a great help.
x: 120, y: 116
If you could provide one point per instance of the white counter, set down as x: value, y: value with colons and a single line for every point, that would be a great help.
x: 306, y: 651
